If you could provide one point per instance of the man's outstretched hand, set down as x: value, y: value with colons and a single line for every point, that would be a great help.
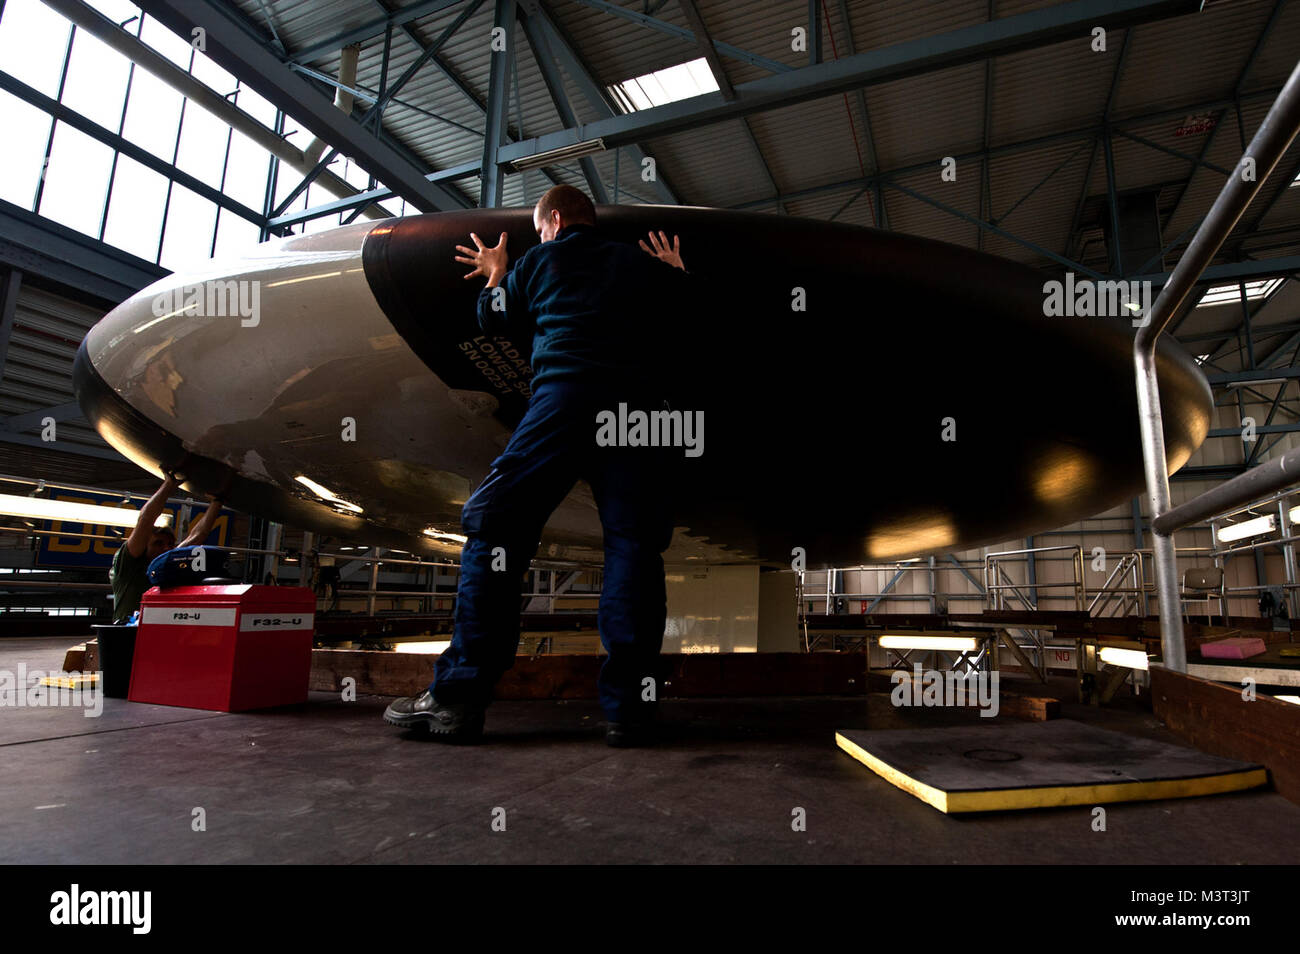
x: 672, y: 254
x: 491, y: 262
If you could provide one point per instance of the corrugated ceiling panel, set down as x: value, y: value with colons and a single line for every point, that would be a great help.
x: 924, y: 118
x: 915, y: 217
x: 714, y: 166
x: 1191, y: 58
x: 1052, y: 89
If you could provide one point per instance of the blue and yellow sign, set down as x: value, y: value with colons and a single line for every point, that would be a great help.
x: 84, y: 553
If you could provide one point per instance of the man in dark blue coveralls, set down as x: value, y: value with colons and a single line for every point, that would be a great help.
x: 591, y: 306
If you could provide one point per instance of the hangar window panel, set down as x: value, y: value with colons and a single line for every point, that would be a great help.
x: 319, y: 196
x: 212, y: 75
x: 1222, y: 294
x: 286, y: 180
x: 355, y: 176
x: 153, y: 113
x: 202, y: 151
x: 664, y: 86
x: 76, y: 180
x: 135, y: 209
x: 246, y: 171
x: 235, y: 234
x: 187, y: 237
x: 256, y: 106
x: 164, y: 41
x: 96, y: 83
x: 119, y: 11
x: 28, y: 131
x: 33, y: 43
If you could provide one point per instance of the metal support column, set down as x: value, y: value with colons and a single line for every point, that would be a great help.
x: 1288, y: 554
x: 493, y: 174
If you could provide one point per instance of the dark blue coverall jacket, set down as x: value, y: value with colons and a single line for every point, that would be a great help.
x: 594, y: 309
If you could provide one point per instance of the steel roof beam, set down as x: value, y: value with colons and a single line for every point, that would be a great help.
x: 232, y: 45
x: 1054, y: 24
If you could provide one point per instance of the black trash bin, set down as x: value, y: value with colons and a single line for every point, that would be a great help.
x: 116, y: 651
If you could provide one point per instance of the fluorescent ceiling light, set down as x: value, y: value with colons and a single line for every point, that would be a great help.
x: 562, y: 154
x: 1247, y: 528
x: 41, y: 508
x: 433, y: 646
x: 914, y: 641
x: 673, y: 83
x: 324, y: 493
x: 1127, y: 658
x: 442, y: 535
x: 1252, y: 382
x: 1221, y: 294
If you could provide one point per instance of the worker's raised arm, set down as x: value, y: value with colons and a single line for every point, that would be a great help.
x: 142, y: 532
x: 499, y: 305
x: 203, y: 526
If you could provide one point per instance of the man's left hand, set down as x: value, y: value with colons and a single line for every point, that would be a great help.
x: 489, y: 261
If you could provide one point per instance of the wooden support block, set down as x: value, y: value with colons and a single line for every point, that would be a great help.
x: 1218, y: 720
x: 558, y: 676
x: 74, y: 660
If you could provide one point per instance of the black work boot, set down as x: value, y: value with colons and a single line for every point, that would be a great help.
x: 632, y: 731
x: 628, y: 735
x: 452, y: 723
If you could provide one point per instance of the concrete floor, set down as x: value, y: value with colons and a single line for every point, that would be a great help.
x: 330, y: 783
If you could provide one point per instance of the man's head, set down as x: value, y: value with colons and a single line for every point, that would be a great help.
x: 161, y: 541
x: 559, y: 206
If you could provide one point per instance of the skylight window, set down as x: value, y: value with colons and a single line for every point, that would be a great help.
x: 664, y: 86
x: 1221, y: 294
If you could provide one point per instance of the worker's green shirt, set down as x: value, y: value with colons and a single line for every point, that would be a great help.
x: 130, y: 579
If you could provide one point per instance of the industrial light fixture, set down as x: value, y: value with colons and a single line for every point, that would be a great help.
x: 324, y: 493
x: 1127, y: 658
x: 431, y: 646
x: 94, y: 514
x: 1247, y: 528
x: 563, y: 154
x: 1255, y: 381
x: 963, y: 644
x: 443, y: 535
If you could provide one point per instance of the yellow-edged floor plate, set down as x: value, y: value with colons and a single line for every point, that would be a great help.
x: 1040, y: 765
x: 85, y: 681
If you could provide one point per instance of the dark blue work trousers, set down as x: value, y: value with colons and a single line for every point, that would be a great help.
x: 553, y: 447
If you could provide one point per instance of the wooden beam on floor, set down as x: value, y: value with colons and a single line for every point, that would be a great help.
x: 1218, y: 720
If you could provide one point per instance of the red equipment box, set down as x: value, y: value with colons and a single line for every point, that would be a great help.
x: 226, y: 648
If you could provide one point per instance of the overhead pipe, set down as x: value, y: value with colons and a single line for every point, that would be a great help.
x: 343, y: 98
x: 1271, y: 141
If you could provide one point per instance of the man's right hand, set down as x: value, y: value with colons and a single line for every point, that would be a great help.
x: 672, y: 254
